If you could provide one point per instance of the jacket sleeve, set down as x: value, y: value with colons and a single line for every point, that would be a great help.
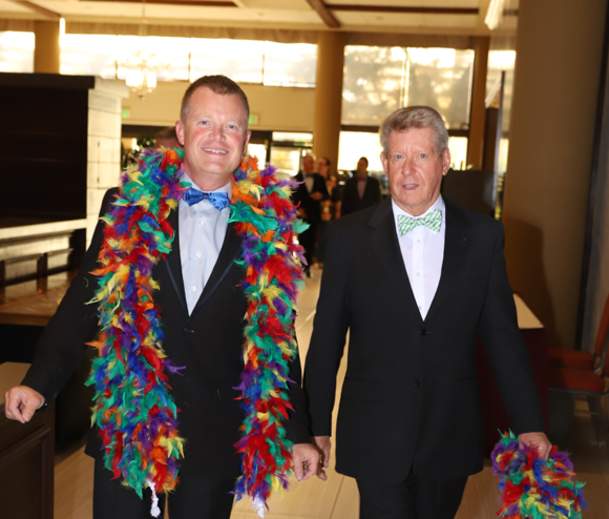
x: 297, y: 427
x: 506, y: 349
x: 328, y: 339
x: 61, y: 346
x: 323, y: 188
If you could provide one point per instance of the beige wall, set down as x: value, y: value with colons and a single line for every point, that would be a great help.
x: 276, y: 108
x: 555, y: 95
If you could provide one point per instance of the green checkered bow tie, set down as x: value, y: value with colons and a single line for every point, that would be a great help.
x: 432, y: 220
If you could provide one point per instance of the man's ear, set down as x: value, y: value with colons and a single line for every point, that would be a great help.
x: 180, y: 132
x: 445, y: 161
x: 247, y: 140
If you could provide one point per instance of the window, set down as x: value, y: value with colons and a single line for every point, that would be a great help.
x: 17, y: 51
x: 373, y: 83
x: 441, y: 78
x: 352, y: 145
x: 86, y: 55
x: 186, y: 59
x: 290, y: 64
x: 501, y: 65
x: 288, y: 148
x: 239, y: 59
x: 378, y: 80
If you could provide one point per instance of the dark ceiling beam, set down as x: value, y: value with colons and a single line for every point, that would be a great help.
x: 33, y: 6
x: 324, y: 13
x: 402, y: 9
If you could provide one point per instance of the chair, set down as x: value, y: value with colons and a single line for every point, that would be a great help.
x: 591, y: 383
x: 578, y: 359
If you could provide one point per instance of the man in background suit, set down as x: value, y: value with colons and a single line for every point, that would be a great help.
x: 415, y: 280
x: 202, y: 308
x: 361, y: 190
x: 309, y: 194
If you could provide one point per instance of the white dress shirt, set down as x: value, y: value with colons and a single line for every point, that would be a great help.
x: 309, y: 182
x: 202, y: 231
x: 423, y: 252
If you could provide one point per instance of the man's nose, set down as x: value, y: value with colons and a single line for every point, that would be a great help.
x: 408, y: 166
x: 218, y: 131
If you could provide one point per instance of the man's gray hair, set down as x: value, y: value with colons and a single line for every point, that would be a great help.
x: 415, y: 117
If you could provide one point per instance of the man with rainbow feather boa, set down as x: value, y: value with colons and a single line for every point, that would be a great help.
x: 188, y: 294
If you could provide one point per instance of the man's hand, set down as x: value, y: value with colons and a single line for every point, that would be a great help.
x: 324, y: 444
x: 306, y: 460
x: 537, y: 440
x: 21, y: 402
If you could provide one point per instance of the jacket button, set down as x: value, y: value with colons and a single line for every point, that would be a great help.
x: 189, y: 331
x: 424, y: 331
x: 417, y: 382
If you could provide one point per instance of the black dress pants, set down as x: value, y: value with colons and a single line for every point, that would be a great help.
x: 413, y: 498
x: 194, y: 498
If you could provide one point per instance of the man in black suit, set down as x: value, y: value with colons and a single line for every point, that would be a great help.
x: 361, y: 190
x: 309, y: 194
x: 415, y: 280
x: 202, y: 309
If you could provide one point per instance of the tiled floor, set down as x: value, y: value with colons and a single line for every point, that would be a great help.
x: 337, y: 498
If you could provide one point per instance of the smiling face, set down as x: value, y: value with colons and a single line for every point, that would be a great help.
x: 415, y: 168
x: 213, y: 131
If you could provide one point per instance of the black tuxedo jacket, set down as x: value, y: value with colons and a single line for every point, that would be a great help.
x: 301, y: 197
x: 209, y: 343
x: 410, y: 395
x: 351, y: 201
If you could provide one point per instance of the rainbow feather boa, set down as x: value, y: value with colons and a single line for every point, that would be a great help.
x: 534, y: 488
x: 133, y: 406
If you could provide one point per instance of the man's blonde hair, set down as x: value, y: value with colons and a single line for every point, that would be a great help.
x: 415, y: 117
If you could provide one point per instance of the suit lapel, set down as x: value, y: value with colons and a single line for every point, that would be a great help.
x: 173, y: 263
x: 455, y: 250
x: 385, y: 242
x: 229, y: 252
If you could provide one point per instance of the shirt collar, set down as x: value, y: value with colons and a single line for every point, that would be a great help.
x: 226, y: 188
x: 438, y: 204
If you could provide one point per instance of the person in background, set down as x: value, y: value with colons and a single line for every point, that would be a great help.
x: 361, y: 190
x: 416, y: 281
x: 323, y: 168
x: 328, y: 206
x: 308, y: 196
x: 166, y: 137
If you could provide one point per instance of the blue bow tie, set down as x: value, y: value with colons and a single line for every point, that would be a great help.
x: 218, y: 199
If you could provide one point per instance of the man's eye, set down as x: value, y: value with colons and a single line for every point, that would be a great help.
x: 397, y: 157
x: 233, y: 126
x: 204, y: 122
x: 423, y: 156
